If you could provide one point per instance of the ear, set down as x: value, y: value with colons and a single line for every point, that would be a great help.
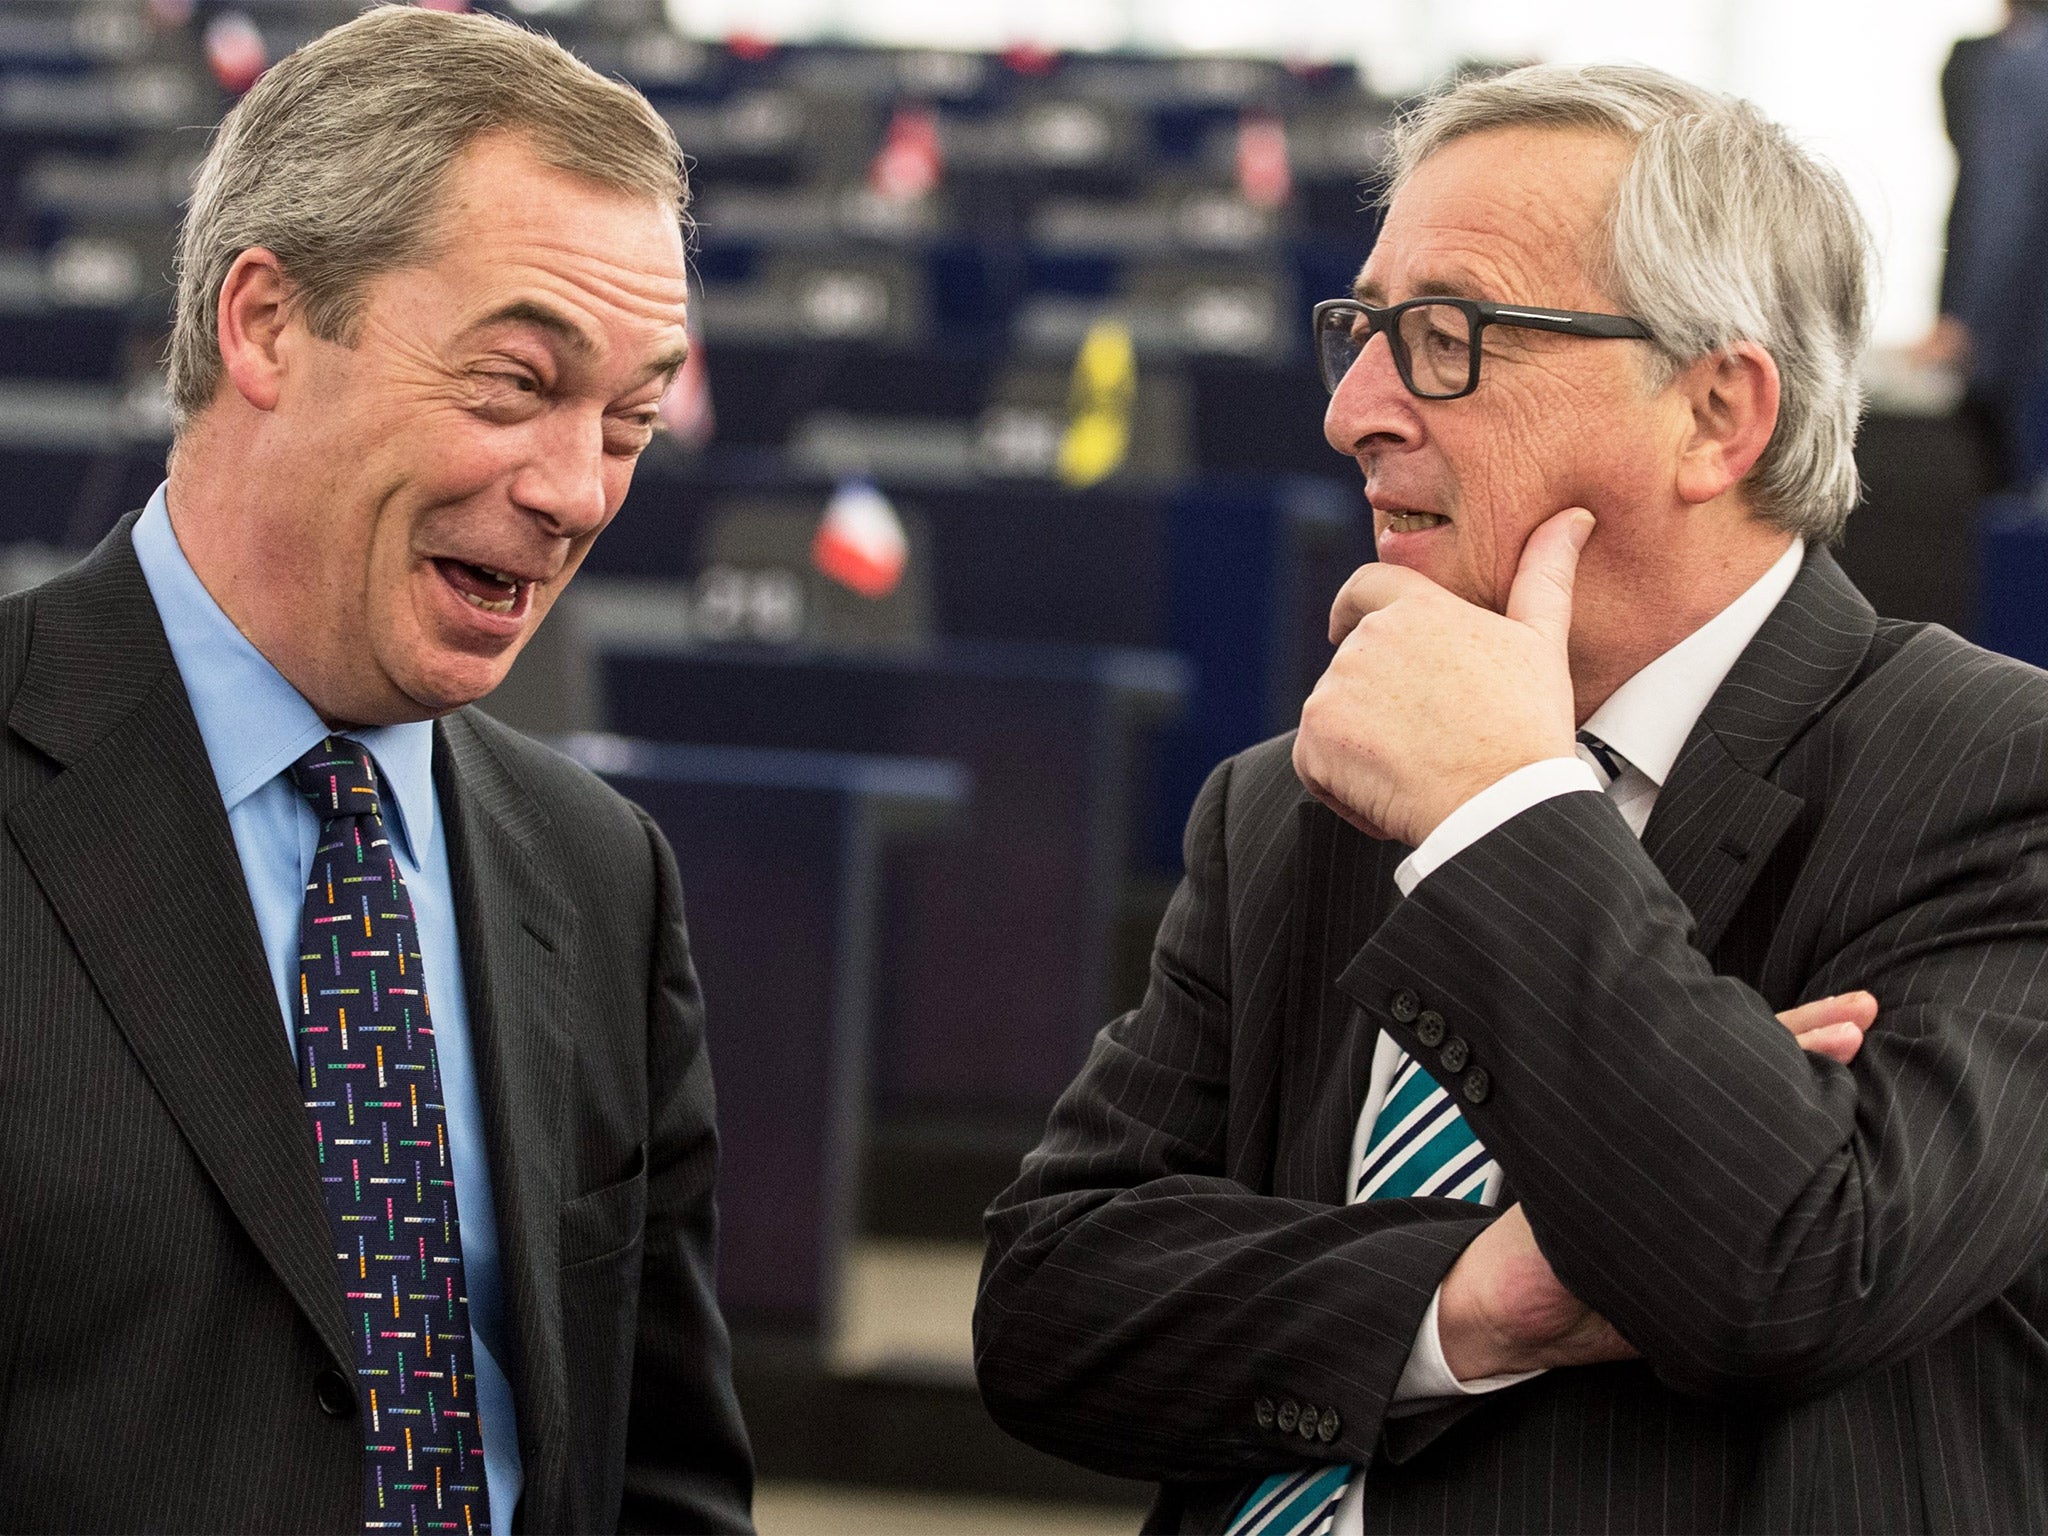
x: 1733, y: 400
x: 255, y: 307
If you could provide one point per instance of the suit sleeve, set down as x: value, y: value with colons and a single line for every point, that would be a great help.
x: 1138, y: 1306
x: 688, y: 1464
x: 1763, y: 1224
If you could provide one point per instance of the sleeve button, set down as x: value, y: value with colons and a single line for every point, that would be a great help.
x: 1288, y: 1417
x: 1429, y: 1028
x: 1310, y: 1418
x: 1404, y: 1005
x: 1328, y: 1426
x: 1455, y: 1054
x: 1262, y: 1410
x: 1478, y: 1084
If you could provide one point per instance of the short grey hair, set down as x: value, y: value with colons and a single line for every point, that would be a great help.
x: 1722, y: 230
x: 335, y: 162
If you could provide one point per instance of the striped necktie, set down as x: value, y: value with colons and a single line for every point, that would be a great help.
x: 1420, y: 1146
x: 373, y: 1090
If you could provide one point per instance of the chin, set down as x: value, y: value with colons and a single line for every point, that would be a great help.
x: 448, y: 683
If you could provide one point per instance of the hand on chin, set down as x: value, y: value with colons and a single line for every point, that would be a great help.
x: 1431, y: 699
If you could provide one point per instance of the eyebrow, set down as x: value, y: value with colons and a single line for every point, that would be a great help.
x: 572, y: 336
x: 1449, y: 285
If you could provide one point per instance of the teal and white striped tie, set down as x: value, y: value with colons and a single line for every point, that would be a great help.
x: 1293, y: 1504
x: 1419, y: 1145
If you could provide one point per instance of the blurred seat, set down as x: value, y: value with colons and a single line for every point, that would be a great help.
x: 1174, y: 308
x: 781, y: 856
x: 826, y: 296
x: 995, y: 945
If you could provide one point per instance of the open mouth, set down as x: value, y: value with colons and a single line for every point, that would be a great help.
x: 481, y: 587
x: 1414, y: 522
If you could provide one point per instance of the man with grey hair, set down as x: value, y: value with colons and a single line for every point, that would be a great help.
x: 1455, y: 1173
x: 359, y: 1145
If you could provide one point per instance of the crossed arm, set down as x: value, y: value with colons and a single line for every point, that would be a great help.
x: 1503, y: 1309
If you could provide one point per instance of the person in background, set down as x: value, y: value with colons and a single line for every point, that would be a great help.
x: 1992, y: 325
x: 358, y: 1145
x: 1462, y: 1168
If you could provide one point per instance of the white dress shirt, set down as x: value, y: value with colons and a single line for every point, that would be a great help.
x: 1645, y: 721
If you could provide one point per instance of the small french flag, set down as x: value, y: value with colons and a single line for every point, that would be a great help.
x: 860, y: 542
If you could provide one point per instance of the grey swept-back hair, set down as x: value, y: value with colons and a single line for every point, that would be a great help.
x: 335, y: 161
x: 1722, y: 230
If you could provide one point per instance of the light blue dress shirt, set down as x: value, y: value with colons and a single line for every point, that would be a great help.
x: 255, y: 725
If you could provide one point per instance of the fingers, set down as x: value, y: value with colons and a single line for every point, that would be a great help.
x: 1542, y: 594
x: 1371, y: 588
x: 1838, y: 1042
x: 1858, y: 1008
x: 1832, y: 1026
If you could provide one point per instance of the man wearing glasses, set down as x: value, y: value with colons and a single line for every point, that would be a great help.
x: 1455, y: 1172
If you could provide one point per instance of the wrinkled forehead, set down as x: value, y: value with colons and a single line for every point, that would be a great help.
x: 1513, y: 214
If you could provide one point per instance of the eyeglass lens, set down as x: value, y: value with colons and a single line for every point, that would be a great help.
x: 1432, y: 350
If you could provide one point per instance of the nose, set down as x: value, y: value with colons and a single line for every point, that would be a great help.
x: 1372, y: 411
x: 563, y: 480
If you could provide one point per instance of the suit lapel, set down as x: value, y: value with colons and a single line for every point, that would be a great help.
x: 131, y: 845
x: 1719, y: 816
x: 518, y: 935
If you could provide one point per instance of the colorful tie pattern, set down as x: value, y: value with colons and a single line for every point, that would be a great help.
x: 373, y: 1090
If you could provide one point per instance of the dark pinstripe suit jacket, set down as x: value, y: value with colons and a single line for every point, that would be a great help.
x: 1835, y: 1276
x: 167, y: 1293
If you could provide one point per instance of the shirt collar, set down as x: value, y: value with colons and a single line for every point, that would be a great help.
x: 255, y: 724
x: 1648, y: 718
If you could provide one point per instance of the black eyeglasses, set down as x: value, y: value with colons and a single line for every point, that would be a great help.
x: 1435, y: 342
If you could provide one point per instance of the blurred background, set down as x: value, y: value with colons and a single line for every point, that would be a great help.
x: 992, y: 511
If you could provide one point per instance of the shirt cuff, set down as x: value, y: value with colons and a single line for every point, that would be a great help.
x: 1494, y: 806
x: 1427, y: 1380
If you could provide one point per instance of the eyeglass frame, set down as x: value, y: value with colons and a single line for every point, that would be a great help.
x: 1479, y: 314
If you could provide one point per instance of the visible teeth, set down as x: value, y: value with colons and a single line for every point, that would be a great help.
x: 499, y: 576
x: 504, y: 606
x: 1413, y: 522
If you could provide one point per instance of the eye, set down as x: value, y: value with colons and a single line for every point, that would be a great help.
x: 628, y: 435
x: 509, y: 392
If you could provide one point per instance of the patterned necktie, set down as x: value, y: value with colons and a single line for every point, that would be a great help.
x: 373, y: 1090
